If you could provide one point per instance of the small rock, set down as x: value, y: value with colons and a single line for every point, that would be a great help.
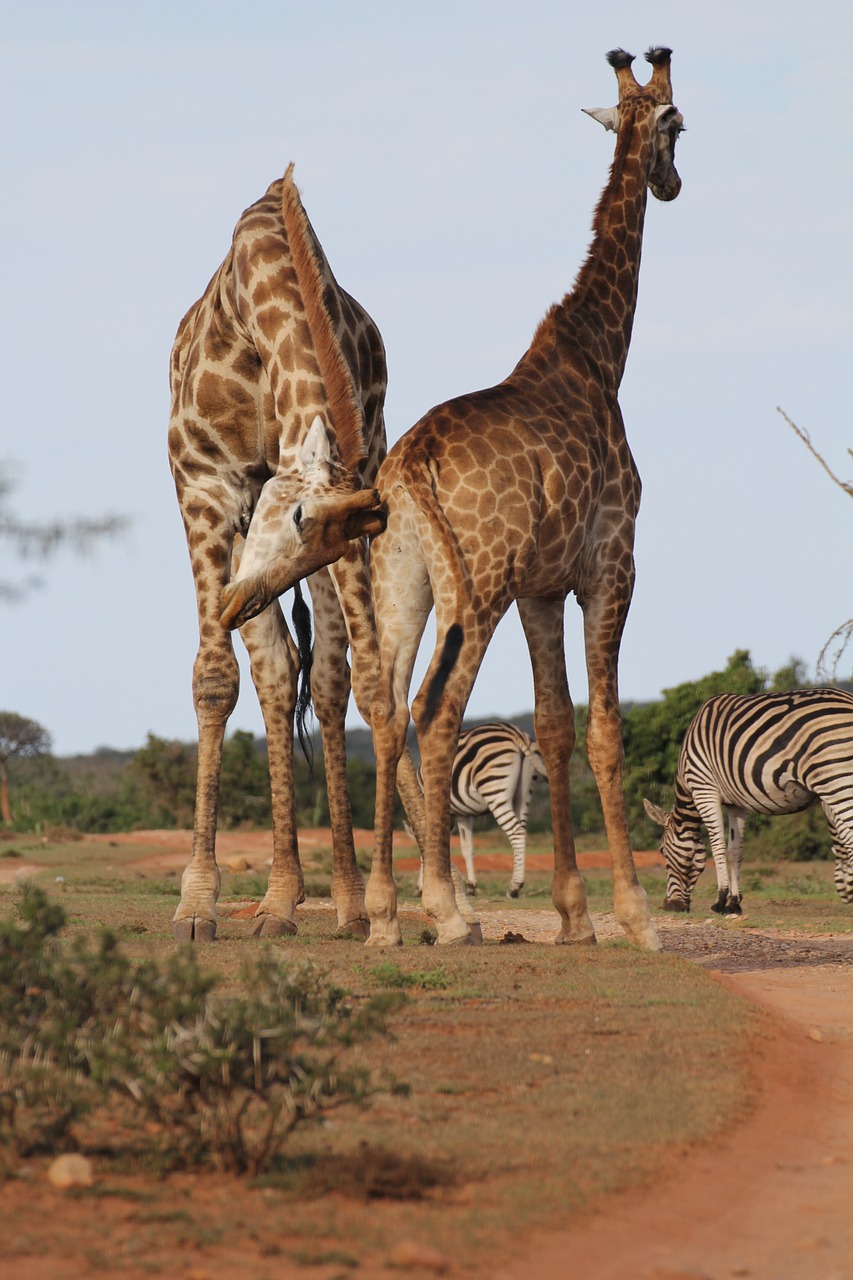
x: 408, y: 1254
x: 70, y: 1171
x: 237, y: 864
x: 510, y: 938
x: 815, y: 1034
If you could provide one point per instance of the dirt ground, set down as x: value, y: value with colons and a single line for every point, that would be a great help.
x: 773, y: 1200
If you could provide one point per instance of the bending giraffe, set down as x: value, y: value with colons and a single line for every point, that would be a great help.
x: 278, y: 382
x: 526, y: 491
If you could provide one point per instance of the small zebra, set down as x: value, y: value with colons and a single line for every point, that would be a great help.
x: 767, y: 753
x: 493, y: 771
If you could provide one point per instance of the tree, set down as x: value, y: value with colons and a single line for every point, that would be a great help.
x: 18, y: 737
x: 827, y: 662
x: 41, y: 540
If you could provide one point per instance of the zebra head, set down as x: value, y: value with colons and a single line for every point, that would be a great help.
x: 683, y: 852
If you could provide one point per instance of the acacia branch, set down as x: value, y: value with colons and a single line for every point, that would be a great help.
x: 806, y: 439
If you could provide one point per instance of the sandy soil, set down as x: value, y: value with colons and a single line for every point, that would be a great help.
x: 773, y: 1200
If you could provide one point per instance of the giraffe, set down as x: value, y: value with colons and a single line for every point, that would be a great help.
x: 526, y: 491
x: 278, y: 381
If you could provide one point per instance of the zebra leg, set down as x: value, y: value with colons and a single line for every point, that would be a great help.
x: 734, y: 858
x: 518, y: 840
x: 842, y: 848
x: 711, y: 812
x: 465, y: 827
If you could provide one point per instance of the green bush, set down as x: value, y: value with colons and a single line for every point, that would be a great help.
x: 222, y: 1080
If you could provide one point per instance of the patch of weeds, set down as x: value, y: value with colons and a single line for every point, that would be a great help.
x: 427, y: 938
x: 323, y: 1258
x: 249, y: 886
x: 200, y: 1078
x: 318, y: 888
x: 162, y: 1215
x: 804, y: 886
x: 10, y: 853
x: 388, y: 974
x: 153, y: 888
x: 104, y: 1191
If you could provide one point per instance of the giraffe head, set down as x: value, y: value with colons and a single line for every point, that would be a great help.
x: 305, y: 518
x: 651, y: 102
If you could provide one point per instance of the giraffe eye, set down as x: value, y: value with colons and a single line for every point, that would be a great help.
x: 297, y: 519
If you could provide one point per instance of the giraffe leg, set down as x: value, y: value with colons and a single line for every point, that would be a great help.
x: 275, y: 665
x: 438, y: 736
x: 402, y: 608
x: 330, y: 685
x: 210, y: 524
x: 605, y: 609
x: 555, y: 735
x: 352, y: 585
x: 389, y: 736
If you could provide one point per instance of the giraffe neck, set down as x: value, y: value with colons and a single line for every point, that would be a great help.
x: 598, y: 313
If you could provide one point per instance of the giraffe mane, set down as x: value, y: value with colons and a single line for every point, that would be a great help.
x: 345, y: 407
x: 574, y: 298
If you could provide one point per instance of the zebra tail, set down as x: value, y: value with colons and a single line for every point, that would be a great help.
x: 449, y: 655
x: 301, y: 618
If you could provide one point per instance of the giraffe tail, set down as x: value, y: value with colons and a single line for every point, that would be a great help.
x: 449, y: 654
x: 301, y: 618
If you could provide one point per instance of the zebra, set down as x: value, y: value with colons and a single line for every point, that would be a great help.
x: 763, y: 753
x: 494, y: 770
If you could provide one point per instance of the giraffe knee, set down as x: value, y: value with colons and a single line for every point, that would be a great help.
x: 215, y: 693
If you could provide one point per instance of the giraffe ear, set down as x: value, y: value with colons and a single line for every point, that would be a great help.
x: 608, y: 116
x: 315, y: 451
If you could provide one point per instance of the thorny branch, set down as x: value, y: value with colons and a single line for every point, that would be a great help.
x: 827, y: 663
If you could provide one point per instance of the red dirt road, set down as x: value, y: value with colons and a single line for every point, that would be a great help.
x: 774, y: 1201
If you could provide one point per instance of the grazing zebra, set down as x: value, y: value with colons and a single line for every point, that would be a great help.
x: 768, y: 753
x: 493, y: 771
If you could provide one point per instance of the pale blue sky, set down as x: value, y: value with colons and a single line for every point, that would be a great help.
x: 451, y: 176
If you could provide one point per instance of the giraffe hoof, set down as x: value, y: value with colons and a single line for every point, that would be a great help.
x: 359, y: 928
x: 272, y: 927
x: 566, y: 940
x: 472, y: 937
x: 194, y: 929
x: 384, y: 935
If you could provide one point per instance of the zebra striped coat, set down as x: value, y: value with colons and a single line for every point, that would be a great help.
x: 768, y: 753
x: 493, y: 772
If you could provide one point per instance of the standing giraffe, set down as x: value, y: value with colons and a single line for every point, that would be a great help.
x: 526, y: 491
x: 278, y: 382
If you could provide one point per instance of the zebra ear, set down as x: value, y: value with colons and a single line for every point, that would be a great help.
x: 655, y: 812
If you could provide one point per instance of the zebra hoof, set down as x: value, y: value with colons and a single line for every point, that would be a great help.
x: 472, y: 888
x: 733, y: 908
x: 675, y: 904
x: 514, y: 890
x: 194, y: 929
